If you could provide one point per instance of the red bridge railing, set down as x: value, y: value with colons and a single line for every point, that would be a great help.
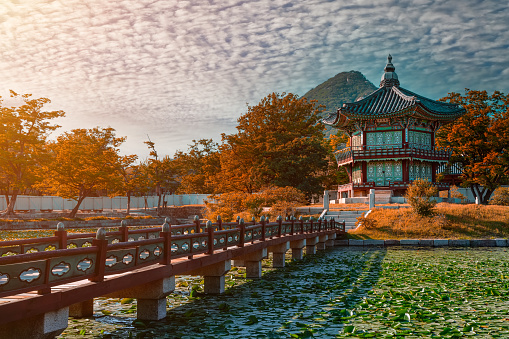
x: 38, y: 264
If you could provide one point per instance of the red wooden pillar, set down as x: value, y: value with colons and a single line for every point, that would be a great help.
x: 61, y: 233
x: 166, y: 235
x: 102, y: 247
x: 406, y: 177
x: 210, y: 232
x: 242, y: 228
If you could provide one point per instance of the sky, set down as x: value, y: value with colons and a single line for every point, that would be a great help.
x: 174, y: 71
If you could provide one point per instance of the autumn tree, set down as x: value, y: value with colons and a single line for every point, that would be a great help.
x: 162, y: 174
x: 130, y: 177
x: 83, y: 161
x: 197, y: 167
x: 23, y: 132
x: 278, y: 143
x: 480, y: 141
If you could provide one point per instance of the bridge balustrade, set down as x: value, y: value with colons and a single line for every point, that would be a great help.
x: 65, y: 258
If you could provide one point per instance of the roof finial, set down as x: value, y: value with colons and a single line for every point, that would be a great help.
x: 389, y: 78
x: 389, y: 67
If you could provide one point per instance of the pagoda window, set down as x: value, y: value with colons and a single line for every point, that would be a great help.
x: 357, y: 173
x: 420, y: 140
x: 357, y: 141
x: 385, y: 139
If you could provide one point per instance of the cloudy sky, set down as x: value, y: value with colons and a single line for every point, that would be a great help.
x: 182, y: 70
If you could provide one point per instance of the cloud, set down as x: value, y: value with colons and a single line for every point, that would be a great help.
x: 177, y: 70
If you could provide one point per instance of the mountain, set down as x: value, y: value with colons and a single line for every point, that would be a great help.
x: 343, y: 87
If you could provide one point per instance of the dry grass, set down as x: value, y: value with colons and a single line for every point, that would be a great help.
x: 451, y: 221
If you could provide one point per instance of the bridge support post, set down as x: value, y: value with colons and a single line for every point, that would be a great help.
x: 151, y: 297
x: 253, y: 263
x: 45, y: 326
x: 311, y: 245
x: 330, y: 240
x: 297, y: 249
x: 321, y: 242
x: 214, y: 276
x: 82, y: 309
x: 278, y: 254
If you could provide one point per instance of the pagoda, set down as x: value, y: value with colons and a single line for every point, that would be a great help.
x: 392, y: 138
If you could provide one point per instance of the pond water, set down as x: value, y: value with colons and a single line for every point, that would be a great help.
x: 343, y: 292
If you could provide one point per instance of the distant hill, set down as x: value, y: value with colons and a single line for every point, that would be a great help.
x: 344, y: 87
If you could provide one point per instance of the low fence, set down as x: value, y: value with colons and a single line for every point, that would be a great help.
x: 38, y: 264
x: 25, y: 203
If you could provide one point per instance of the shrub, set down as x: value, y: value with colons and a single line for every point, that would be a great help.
x: 419, y: 195
x: 282, y: 201
x: 500, y: 197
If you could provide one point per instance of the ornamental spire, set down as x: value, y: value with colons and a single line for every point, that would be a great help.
x: 389, y: 78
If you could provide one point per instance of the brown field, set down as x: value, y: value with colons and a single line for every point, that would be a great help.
x: 451, y: 221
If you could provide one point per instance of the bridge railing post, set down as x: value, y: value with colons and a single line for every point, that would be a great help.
x: 219, y: 223
x: 301, y: 225
x: 292, y: 230
x: 311, y: 227
x: 344, y: 225
x: 262, y: 220
x: 102, y: 247
x: 319, y: 224
x: 197, y: 223
x: 210, y: 232
x: 124, y: 231
x: 166, y: 235
x: 280, y: 225
x: 242, y: 228
x: 61, y: 233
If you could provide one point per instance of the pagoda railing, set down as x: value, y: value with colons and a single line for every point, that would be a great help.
x: 405, y: 150
x: 392, y: 185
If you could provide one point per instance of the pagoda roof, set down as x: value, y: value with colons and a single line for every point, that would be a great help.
x: 390, y: 101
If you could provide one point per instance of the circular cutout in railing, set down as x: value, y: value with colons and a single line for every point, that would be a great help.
x: 111, y: 261
x: 60, y: 269
x: 130, y: 239
x: 157, y: 251
x: 221, y: 240
x: 84, y: 265
x: 174, y: 248
x: 141, y: 237
x: 185, y: 246
x: 144, y: 254
x: 50, y: 248
x: 204, y: 243
x: 4, y: 278
x: 32, y: 250
x: 87, y: 244
x: 127, y: 259
x: 30, y: 275
x: 115, y: 241
x: 196, y: 245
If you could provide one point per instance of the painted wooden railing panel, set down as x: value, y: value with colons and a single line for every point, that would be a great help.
x: 126, y: 250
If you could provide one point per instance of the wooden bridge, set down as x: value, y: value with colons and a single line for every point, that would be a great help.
x: 43, y: 281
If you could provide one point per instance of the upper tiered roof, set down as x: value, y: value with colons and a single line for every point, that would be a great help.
x: 391, y: 100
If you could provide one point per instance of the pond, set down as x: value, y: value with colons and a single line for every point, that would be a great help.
x: 338, y: 293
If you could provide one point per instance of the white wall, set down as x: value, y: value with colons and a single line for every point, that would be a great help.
x: 37, y: 203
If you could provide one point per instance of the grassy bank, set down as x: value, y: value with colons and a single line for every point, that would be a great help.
x: 451, y: 221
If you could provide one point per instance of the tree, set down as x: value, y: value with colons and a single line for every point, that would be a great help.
x: 278, y: 143
x: 130, y: 177
x: 23, y: 133
x: 83, y: 160
x: 161, y: 173
x: 480, y: 141
x: 197, y: 168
